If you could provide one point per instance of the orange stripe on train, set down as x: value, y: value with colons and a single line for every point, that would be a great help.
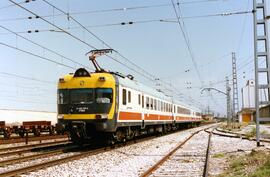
x: 130, y: 116
x: 138, y: 116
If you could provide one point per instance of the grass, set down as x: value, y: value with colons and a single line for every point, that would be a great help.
x: 255, y: 164
x: 252, y: 133
x: 233, y: 126
x: 221, y: 155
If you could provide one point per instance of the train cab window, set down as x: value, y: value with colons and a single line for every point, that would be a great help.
x: 124, y: 96
x: 81, y: 96
x: 104, y: 95
x: 139, y: 99
x: 129, y: 96
x: 62, y: 96
x: 142, y: 101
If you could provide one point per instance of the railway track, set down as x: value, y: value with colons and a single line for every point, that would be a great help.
x: 175, y: 162
x: 236, y: 135
x: 31, y: 148
x: 84, y: 152
x: 80, y: 153
x: 29, y: 139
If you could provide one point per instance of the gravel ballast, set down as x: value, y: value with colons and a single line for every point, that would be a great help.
x: 133, y: 160
x: 130, y: 160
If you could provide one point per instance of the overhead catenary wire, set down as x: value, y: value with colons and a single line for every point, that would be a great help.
x: 110, y: 10
x: 164, y: 20
x: 45, y: 48
x: 243, y: 29
x: 12, y: 5
x: 35, y: 55
x: 101, y: 40
x: 27, y: 78
x: 148, y: 77
x: 80, y: 40
x: 187, y: 43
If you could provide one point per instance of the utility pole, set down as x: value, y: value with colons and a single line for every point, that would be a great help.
x: 228, y: 96
x: 262, y: 72
x: 235, y: 89
x: 228, y: 90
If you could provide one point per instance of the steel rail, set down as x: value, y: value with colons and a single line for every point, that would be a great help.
x: 40, y: 138
x: 206, y: 164
x: 30, y: 157
x: 36, y: 149
x: 31, y: 146
x: 237, y: 135
x: 165, y: 158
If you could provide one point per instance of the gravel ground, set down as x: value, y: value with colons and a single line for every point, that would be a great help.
x: 263, y: 128
x: 32, y: 162
x: 223, y: 147
x: 133, y: 160
x: 130, y: 160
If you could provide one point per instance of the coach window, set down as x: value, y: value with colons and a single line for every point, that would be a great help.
x: 129, y: 96
x: 151, y: 103
x: 142, y: 101
x: 139, y: 99
x: 124, y: 97
x: 147, y: 102
x: 162, y: 106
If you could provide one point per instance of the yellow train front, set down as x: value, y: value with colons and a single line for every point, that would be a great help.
x: 86, y: 104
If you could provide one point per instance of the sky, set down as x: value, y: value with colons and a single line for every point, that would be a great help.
x: 29, y: 82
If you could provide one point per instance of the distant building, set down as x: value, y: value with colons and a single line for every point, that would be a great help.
x: 248, y: 95
x: 248, y: 102
x: 208, y: 117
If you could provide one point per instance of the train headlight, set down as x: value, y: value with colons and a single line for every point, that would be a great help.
x: 61, y: 80
x: 60, y: 116
x: 102, y: 79
x: 101, y: 116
